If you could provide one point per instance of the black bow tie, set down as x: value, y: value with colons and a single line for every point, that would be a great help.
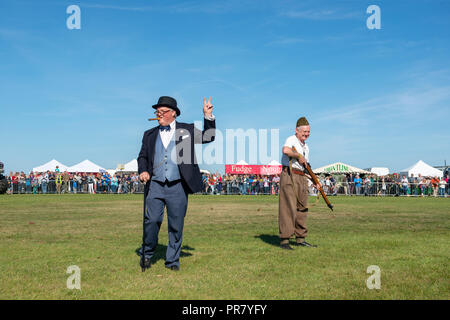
x: 164, y: 128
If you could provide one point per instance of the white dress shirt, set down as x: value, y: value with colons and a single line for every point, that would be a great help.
x: 303, y: 149
x: 167, y: 135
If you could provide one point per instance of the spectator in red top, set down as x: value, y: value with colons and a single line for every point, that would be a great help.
x: 15, y: 183
x: 448, y: 186
x: 435, y: 184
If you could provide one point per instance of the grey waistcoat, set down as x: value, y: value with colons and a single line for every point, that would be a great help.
x: 163, y: 165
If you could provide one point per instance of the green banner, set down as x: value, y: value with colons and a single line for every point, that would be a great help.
x: 336, y: 168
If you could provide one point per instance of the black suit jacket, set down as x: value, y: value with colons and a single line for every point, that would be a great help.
x: 186, y: 136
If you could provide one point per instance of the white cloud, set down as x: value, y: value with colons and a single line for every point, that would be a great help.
x: 414, y: 105
x: 322, y: 14
x: 113, y: 7
x: 286, y: 41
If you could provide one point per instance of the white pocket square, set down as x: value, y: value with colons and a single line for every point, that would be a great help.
x: 184, y: 137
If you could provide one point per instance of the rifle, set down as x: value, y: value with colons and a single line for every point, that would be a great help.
x: 316, y: 182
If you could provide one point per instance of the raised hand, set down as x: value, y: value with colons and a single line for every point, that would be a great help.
x: 207, y: 107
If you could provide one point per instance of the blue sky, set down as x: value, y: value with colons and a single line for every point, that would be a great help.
x: 374, y: 98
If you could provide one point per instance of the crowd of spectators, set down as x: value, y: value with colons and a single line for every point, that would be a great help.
x: 393, y: 184
x: 229, y: 184
x: 240, y: 184
x: 340, y: 184
x: 423, y: 186
x: 65, y: 182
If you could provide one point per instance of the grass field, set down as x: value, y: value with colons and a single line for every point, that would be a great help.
x: 230, y: 249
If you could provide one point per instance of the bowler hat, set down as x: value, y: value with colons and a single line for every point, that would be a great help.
x: 169, y: 102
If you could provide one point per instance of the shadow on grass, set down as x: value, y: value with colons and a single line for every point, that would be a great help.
x: 270, y: 239
x: 160, y: 252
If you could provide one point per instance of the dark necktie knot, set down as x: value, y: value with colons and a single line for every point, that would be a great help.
x: 164, y: 128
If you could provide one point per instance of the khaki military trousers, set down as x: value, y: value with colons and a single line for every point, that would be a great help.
x: 292, y: 213
x: 58, y: 188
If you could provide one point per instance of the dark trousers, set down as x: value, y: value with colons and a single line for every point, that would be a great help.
x: 170, y: 195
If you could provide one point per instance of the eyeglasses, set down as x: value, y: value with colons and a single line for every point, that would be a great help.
x: 161, y: 112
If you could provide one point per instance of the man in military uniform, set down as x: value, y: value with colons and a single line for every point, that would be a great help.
x: 66, y: 182
x: 293, y: 199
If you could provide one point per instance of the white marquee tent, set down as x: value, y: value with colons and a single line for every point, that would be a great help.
x: 131, y: 166
x: 274, y: 163
x: 86, y: 166
x: 242, y: 163
x: 379, y: 171
x: 51, y: 166
x: 339, y: 167
x: 424, y: 169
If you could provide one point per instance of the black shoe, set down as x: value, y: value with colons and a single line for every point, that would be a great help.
x: 145, y: 264
x: 305, y: 244
x: 174, y: 268
x: 286, y: 246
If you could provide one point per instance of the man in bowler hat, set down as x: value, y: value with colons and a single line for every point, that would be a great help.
x: 168, y: 166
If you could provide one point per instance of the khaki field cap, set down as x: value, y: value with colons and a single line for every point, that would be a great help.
x: 302, y: 122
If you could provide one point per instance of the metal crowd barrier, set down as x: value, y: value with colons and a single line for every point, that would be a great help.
x: 339, y: 188
x: 54, y: 188
x: 241, y: 189
x: 387, y: 189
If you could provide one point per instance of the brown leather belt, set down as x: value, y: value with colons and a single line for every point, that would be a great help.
x: 296, y: 171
